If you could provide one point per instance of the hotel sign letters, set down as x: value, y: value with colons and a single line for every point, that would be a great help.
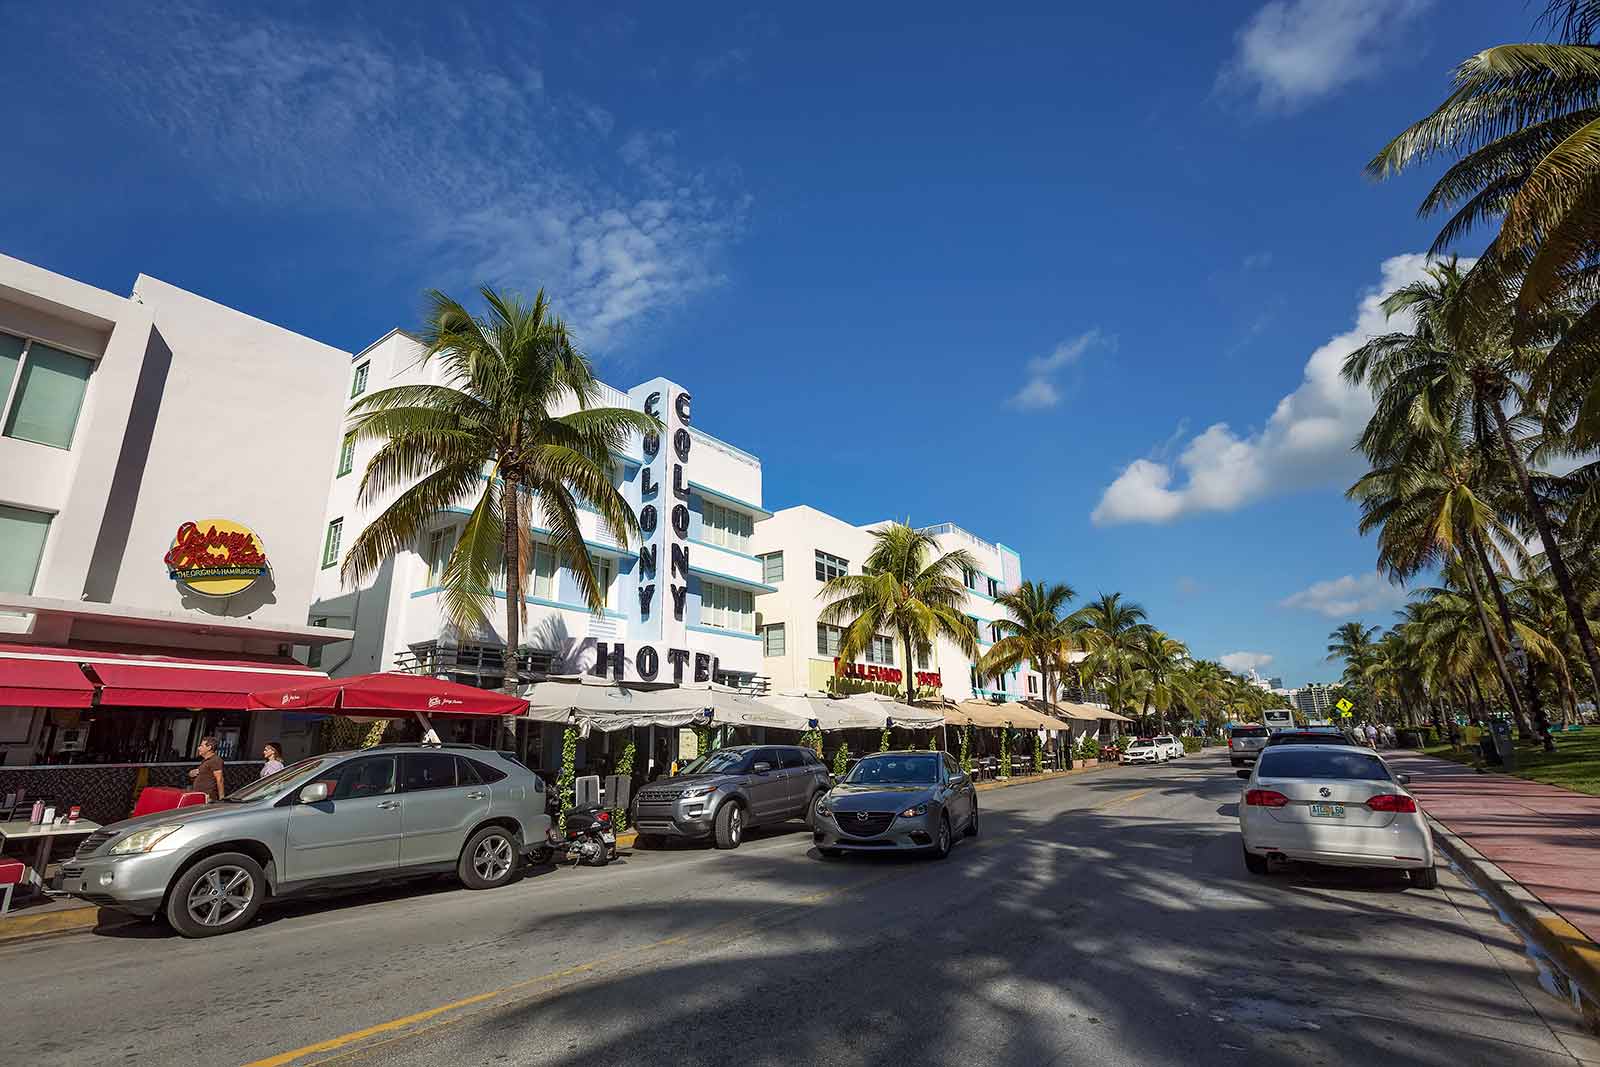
x: 873, y: 673
x: 673, y: 533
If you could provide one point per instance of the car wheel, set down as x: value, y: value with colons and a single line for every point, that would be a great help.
x: 941, y: 846
x: 1425, y: 878
x: 729, y: 826
x: 218, y: 895
x: 812, y: 818
x: 972, y: 823
x: 489, y: 859
x: 1255, y: 864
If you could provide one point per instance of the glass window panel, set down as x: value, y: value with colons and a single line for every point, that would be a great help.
x: 603, y: 569
x: 22, y: 537
x: 774, y: 640
x: 772, y: 567
x: 828, y: 639
x: 330, y: 546
x: 359, y: 384
x: 544, y: 572
x: 10, y: 356
x: 347, y: 455
x: 49, y: 396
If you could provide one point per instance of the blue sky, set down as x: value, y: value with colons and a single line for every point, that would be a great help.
x: 1079, y: 281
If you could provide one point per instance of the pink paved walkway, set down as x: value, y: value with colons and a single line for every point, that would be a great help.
x: 1546, y: 837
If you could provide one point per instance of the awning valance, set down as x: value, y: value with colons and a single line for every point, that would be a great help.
x: 33, y: 683
x: 389, y: 695
x: 128, y: 676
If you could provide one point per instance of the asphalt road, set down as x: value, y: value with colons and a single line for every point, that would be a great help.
x: 1104, y: 919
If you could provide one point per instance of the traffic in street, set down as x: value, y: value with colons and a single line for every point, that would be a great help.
x: 1104, y: 917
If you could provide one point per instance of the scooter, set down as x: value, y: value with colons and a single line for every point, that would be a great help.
x: 590, y: 839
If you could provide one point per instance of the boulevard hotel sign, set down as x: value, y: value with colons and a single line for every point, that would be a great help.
x: 664, y: 654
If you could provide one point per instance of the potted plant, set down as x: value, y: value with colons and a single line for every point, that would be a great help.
x: 1088, y: 751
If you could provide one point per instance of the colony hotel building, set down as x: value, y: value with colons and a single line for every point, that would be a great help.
x: 679, y: 599
x: 800, y: 548
x: 163, y: 471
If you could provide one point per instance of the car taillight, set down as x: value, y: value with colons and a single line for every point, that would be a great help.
x: 603, y: 815
x: 1392, y: 802
x: 1230, y: 742
x: 1264, y: 798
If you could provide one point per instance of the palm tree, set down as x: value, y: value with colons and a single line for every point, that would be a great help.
x: 1161, y: 657
x: 1351, y: 642
x: 490, y: 435
x: 1112, y: 631
x: 906, y: 587
x: 1034, y: 632
x: 1523, y: 127
x: 1444, y: 374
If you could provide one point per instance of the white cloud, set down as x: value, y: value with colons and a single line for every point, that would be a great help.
x: 1039, y: 391
x: 1306, y: 442
x: 1240, y: 662
x: 476, y: 171
x: 1293, y: 51
x: 1348, y: 597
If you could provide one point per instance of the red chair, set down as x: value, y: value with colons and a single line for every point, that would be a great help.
x: 12, y: 874
x: 157, y: 798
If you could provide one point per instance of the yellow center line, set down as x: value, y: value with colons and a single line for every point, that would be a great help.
x: 343, y: 1041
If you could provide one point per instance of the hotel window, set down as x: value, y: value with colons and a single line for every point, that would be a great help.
x: 969, y: 578
x: 22, y: 536
x: 358, y: 385
x: 996, y: 632
x: 922, y: 659
x: 727, y: 608
x: 45, y: 395
x: 828, y: 638
x: 830, y: 567
x: 774, y: 641
x: 771, y: 567
x: 880, y: 650
x: 440, y: 543
x: 1033, y: 684
x: 725, y: 526
x: 544, y: 572
x: 330, y: 545
x: 994, y: 588
x: 347, y: 454
x: 604, y: 570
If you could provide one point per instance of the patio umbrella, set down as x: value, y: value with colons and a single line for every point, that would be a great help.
x: 388, y: 696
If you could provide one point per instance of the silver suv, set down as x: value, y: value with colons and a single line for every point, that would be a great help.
x: 340, y: 819
x: 730, y: 790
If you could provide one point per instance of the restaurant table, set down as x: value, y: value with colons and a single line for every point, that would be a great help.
x: 45, y: 834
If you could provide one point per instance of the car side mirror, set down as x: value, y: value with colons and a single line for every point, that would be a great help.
x: 762, y: 768
x: 1242, y: 774
x: 314, y: 793
x: 1403, y: 779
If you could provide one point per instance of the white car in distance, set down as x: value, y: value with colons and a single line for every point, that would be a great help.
x: 1336, y: 805
x: 1173, y: 746
x: 1144, y: 750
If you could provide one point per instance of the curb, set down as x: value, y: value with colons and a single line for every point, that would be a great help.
x: 63, y: 921
x: 1564, y: 943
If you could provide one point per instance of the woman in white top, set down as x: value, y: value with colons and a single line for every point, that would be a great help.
x: 273, y: 754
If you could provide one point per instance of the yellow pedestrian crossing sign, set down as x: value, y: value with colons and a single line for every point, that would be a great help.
x: 1344, y: 705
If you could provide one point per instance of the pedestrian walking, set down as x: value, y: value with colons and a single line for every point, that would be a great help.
x: 208, y: 776
x: 1372, y: 735
x: 272, y: 752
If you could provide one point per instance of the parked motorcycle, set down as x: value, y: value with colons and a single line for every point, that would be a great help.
x: 590, y: 839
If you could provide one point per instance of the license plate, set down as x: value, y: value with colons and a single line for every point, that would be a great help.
x: 611, y: 839
x: 1328, y: 811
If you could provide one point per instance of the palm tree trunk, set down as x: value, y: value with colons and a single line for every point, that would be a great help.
x: 1482, y: 713
x: 1541, y: 724
x: 513, y: 559
x: 1552, y: 550
x: 911, y: 681
x: 1494, y: 645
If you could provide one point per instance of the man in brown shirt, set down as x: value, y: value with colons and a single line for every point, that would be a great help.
x: 208, y: 776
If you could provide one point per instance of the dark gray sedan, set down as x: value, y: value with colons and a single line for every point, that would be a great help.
x: 898, y: 801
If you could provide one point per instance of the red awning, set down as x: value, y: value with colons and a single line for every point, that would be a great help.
x: 43, y: 683
x: 131, y: 677
x: 388, y: 696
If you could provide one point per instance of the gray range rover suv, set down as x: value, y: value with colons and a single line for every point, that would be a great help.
x: 345, y: 818
x: 730, y: 790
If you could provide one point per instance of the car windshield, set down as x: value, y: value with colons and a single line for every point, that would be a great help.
x: 723, y: 761
x: 1293, y: 762
x: 1309, y: 738
x: 1143, y: 744
x: 895, y: 770
x: 1249, y: 731
x: 267, y: 786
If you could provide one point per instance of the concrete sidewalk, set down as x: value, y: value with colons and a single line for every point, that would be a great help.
x: 1545, y: 837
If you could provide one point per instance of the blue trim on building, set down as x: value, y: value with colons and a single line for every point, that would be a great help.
x: 724, y: 548
x: 500, y: 594
x: 723, y: 498
x: 725, y: 633
x: 728, y: 579
x: 615, y: 550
